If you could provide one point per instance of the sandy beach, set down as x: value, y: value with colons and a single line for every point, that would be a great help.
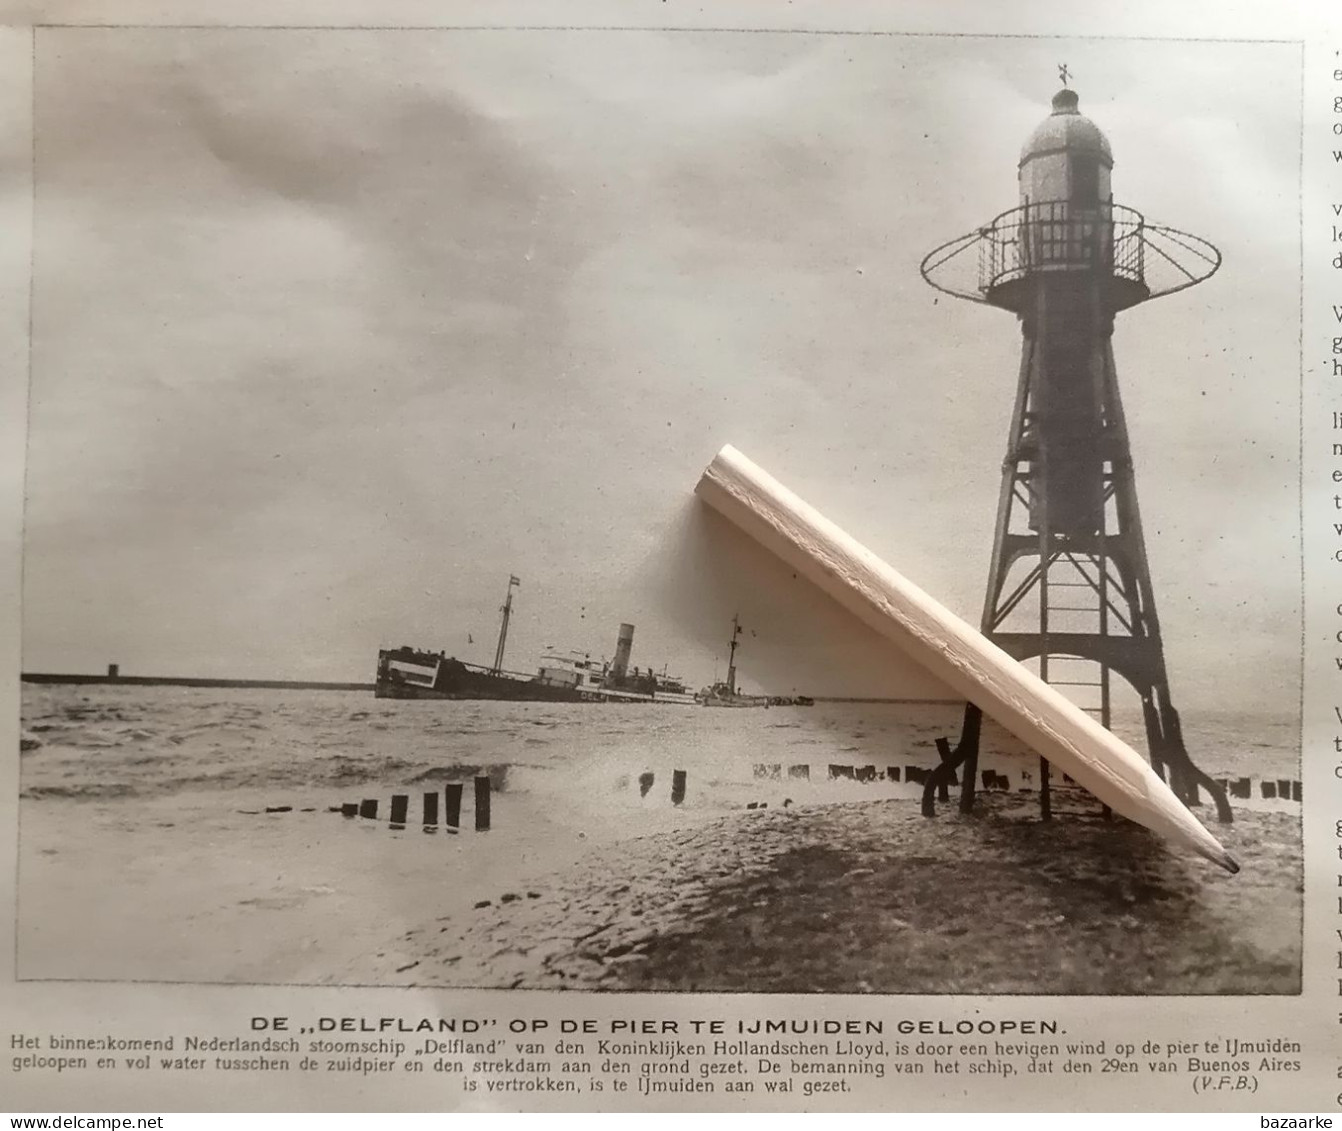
x: 848, y: 897
x: 208, y: 887
x: 874, y: 898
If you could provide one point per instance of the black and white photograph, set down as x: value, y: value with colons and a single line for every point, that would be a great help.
x: 374, y: 631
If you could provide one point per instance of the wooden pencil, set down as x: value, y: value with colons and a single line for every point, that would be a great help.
x: 951, y: 649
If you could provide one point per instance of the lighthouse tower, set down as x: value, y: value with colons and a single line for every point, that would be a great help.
x: 1069, y: 586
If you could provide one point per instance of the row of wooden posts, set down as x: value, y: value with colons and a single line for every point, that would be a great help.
x: 1282, y: 788
x: 773, y: 771
x: 452, y: 794
x: 917, y: 775
x: 1285, y: 789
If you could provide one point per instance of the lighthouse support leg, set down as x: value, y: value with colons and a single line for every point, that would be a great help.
x: 966, y: 754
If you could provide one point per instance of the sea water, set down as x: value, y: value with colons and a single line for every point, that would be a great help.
x: 592, y: 760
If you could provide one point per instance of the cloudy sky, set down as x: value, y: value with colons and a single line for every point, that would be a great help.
x: 335, y: 330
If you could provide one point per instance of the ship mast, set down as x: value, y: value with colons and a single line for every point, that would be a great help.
x: 507, y: 611
x: 731, y: 661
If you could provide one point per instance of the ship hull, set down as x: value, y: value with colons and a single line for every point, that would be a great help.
x: 526, y: 693
x: 437, y: 677
x: 454, y: 680
x: 734, y: 704
x: 515, y: 690
x: 719, y: 698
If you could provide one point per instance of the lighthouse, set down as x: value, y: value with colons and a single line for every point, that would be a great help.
x: 1069, y: 586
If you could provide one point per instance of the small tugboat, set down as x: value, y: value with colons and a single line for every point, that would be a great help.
x: 724, y: 693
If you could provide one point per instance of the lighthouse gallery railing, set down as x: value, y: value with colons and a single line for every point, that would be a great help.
x: 1060, y: 235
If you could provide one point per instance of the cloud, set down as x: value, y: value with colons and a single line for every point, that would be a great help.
x: 334, y: 331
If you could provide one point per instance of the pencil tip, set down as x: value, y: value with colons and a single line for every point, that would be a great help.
x: 1229, y: 863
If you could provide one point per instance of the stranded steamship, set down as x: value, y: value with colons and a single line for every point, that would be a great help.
x: 409, y: 673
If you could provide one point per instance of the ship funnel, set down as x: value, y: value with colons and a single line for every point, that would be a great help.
x: 624, y: 644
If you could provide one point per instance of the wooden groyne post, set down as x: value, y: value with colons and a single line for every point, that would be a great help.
x: 482, y: 804
x: 677, y: 787
x: 430, y: 811
x: 400, y: 805
x: 452, y: 805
